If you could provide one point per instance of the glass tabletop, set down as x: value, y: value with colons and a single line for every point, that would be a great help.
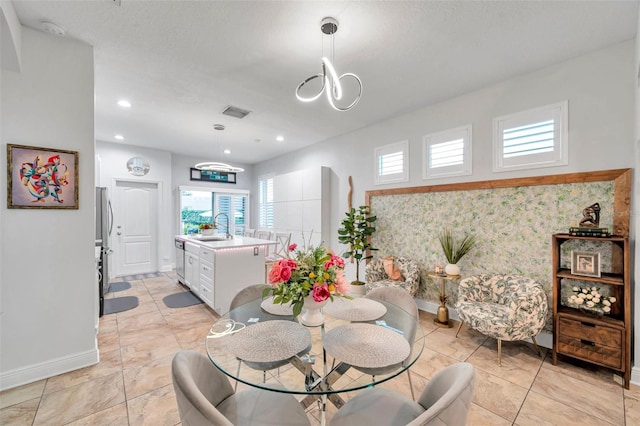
x: 269, y: 349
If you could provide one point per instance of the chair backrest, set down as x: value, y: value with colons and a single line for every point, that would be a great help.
x: 199, y: 387
x: 447, y: 396
x: 247, y: 294
x: 283, y: 240
x: 249, y: 232
x: 400, y: 298
x: 263, y: 234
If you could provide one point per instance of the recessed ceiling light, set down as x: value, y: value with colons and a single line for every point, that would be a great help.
x: 227, y: 151
x: 124, y: 103
x: 119, y: 137
x: 279, y: 138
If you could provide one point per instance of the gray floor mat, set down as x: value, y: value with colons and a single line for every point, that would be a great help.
x: 120, y: 304
x: 181, y: 300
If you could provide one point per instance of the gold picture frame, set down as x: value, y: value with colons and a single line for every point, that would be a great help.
x: 41, y: 178
x: 585, y: 263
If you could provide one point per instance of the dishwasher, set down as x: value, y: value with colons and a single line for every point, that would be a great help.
x: 180, y: 260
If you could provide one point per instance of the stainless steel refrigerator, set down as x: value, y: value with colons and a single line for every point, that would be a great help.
x: 104, y: 225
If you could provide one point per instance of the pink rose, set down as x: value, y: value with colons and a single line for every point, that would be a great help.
x: 293, y: 246
x: 274, y: 273
x: 342, y: 286
x: 285, y: 273
x: 320, y: 292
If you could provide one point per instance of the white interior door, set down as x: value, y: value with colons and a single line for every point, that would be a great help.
x: 135, y: 212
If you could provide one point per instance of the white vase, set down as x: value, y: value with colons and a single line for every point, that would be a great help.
x: 312, y: 315
x: 357, y: 290
x: 452, y: 269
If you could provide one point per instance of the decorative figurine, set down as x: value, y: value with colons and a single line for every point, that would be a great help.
x: 591, y: 216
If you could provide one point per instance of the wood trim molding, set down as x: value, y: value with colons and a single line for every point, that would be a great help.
x: 621, y: 179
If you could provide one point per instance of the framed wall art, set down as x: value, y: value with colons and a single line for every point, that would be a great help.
x: 585, y: 263
x: 41, y: 178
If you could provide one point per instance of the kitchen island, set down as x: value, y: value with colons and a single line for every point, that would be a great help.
x: 217, y: 268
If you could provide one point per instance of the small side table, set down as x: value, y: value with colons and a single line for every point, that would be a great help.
x: 442, y: 316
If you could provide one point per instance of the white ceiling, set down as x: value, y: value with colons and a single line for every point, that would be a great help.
x: 180, y: 63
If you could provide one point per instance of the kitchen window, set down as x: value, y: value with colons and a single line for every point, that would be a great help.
x: 199, y: 206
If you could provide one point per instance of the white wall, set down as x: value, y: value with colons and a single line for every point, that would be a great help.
x: 47, y: 282
x: 599, y: 87
x: 111, y: 159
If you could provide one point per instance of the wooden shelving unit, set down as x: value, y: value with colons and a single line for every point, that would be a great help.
x: 603, y: 340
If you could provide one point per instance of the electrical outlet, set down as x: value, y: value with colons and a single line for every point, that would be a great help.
x: 255, y: 251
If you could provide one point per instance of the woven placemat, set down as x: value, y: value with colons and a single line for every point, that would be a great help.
x: 358, y: 309
x: 269, y: 341
x: 276, y: 308
x: 366, y: 345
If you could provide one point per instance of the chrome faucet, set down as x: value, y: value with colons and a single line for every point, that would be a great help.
x: 215, y: 221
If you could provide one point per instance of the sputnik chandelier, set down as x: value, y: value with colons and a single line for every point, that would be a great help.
x: 331, y: 83
x: 216, y: 166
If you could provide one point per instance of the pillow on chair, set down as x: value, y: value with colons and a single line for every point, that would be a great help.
x: 393, y: 272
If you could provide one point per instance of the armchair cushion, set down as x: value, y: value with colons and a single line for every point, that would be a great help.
x: 376, y: 276
x: 507, y: 307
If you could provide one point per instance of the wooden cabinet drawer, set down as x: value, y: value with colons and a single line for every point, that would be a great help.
x: 206, y: 254
x: 585, y: 330
x: 590, y: 351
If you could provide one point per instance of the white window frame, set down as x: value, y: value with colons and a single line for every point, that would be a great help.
x: 560, y: 154
x: 262, y: 220
x: 428, y: 141
x: 402, y: 146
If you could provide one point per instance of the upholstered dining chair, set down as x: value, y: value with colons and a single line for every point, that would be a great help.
x: 505, y: 307
x: 376, y: 276
x: 205, y: 397
x: 403, y: 300
x: 246, y: 295
x: 444, y: 401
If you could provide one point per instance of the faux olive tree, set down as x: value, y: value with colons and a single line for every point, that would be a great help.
x: 356, y: 229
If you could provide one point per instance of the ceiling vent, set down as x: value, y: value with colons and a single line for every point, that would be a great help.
x: 235, y: 112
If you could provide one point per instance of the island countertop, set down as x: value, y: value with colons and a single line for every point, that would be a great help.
x: 236, y: 241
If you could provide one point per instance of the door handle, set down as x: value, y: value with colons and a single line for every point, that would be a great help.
x: 119, y: 233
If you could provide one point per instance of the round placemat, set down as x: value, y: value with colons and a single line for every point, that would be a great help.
x: 358, y: 309
x: 269, y: 341
x: 366, y: 345
x: 276, y: 308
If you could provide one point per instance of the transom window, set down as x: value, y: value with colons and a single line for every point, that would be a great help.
x: 447, y: 153
x: 531, y: 139
x: 392, y: 163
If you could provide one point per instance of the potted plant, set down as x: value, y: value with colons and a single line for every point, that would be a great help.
x: 455, y: 250
x: 206, y: 228
x: 357, y: 228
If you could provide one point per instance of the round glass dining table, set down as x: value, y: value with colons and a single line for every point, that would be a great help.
x: 363, y: 342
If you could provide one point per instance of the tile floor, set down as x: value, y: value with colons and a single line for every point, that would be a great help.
x: 132, y: 383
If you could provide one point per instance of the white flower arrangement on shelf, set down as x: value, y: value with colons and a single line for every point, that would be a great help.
x: 590, y: 298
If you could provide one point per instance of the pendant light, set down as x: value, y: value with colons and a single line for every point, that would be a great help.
x: 331, y: 82
x: 218, y: 166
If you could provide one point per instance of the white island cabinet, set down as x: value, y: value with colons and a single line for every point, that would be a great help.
x: 217, y: 270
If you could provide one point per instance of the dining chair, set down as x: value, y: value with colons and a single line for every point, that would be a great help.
x: 263, y: 234
x: 281, y: 249
x: 407, y: 324
x: 444, y: 401
x: 249, y: 232
x: 244, y: 296
x: 205, y: 397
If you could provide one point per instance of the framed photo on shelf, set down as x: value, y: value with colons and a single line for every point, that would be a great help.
x: 585, y: 263
x: 41, y: 178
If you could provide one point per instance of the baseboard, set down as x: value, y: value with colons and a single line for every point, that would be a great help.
x: 44, y: 370
x: 166, y: 268
x: 635, y: 376
x: 544, y: 339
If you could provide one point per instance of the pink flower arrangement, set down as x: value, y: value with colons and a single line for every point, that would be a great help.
x: 317, y: 272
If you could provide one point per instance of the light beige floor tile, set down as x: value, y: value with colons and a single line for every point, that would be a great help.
x: 22, y: 393
x: 447, y: 344
x: 145, y: 351
x: 632, y: 410
x: 157, y: 408
x: 74, y: 403
x: 400, y: 384
x: 594, y: 400
x: 430, y: 362
x: 114, y: 416
x: 110, y: 363
x: 147, y: 377
x: 540, y: 410
x: 108, y: 338
x: 520, y: 362
x: 189, y: 336
x: 21, y: 414
x: 497, y: 395
x: 585, y: 372
x: 479, y: 416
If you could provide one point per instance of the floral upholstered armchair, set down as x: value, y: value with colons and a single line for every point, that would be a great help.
x: 505, y: 307
x: 376, y: 276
